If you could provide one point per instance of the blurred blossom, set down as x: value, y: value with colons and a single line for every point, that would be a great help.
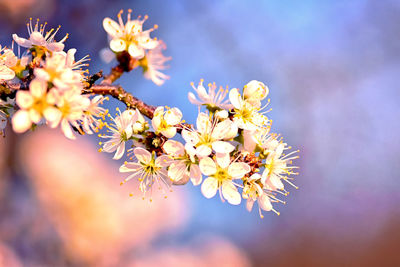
x: 8, y: 257
x: 206, y: 251
x: 16, y: 9
x: 82, y: 196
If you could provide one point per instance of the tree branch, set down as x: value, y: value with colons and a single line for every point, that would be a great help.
x: 119, y: 93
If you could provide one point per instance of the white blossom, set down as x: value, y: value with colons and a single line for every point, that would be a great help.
x: 277, y: 169
x: 121, y: 130
x: 220, y: 177
x: 153, y: 62
x: 253, y: 192
x: 255, y: 91
x: 246, y: 115
x: 208, y: 134
x: 37, y: 37
x: 34, y: 105
x: 148, y: 169
x: 129, y: 36
x: 90, y: 120
x: 165, y: 122
x: 183, y: 166
x: 7, y: 61
x: 211, y: 99
x: 59, y: 69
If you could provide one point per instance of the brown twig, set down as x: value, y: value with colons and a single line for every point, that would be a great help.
x: 119, y: 93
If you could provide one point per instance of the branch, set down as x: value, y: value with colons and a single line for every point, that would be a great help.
x: 119, y: 93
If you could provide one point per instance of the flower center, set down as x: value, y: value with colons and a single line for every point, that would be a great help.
x: 151, y: 167
x: 222, y: 175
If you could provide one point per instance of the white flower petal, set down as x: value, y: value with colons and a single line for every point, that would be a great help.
x: 203, y: 123
x: 120, y: 151
x: 130, y: 167
x: 67, y: 130
x: 6, y: 73
x: 203, y: 151
x: 230, y: 193
x: 136, y: 51
x: 174, y: 148
x: 238, y: 169
x: 190, y: 137
x: 222, y: 129
x: 195, y: 174
x: 163, y: 161
x: 37, y: 88
x: 21, y: 121
x: 249, y: 204
x: 235, y: 98
x: 173, y: 116
x: 222, y: 147
x: 117, y: 45
x: 22, y: 41
x: 111, y: 27
x: 209, y: 187
x: 169, y: 132
x: 24, y: 99
x: 207, y: 166
x: 264, y: 202
x: 142, y: 155
x: 223, y: 160
x: 177, y: 171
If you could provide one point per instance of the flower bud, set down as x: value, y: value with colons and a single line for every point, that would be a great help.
x: 255, y: 91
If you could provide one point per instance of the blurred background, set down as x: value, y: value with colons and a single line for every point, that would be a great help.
x: 332, y: 69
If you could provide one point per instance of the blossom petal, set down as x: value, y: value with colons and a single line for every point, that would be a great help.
x: 203, y: 151
x: 222, y: 147
x: 67, y: 130
x: 207, y: 166
x: 130, y: 167
x: 230, y: 193
x: 222, y: 129
x: 190, y: 137
x: 203, y: 123
x: 55, y: 46
x: 177, y: 171
x: 163, y: 161
x: 238, y: 169
x: 209, y: 187
x: 24, y: 99
x: 136, y: 51
x: 169, y: 132
x: 111, y: 27
x: 264, y: 202
x: 21, y: 121
x: 142, y: 155
x: 195, y: 174
x: 223, y: 160
x: 173, y: 116
x: 117, y: 45
x: 120, y: 151
x: 249, y: 204
x: 174, y: 148
x: 38, y: 88
x: 6, y: 73
x: 22, y: 41
x: 235, y: 98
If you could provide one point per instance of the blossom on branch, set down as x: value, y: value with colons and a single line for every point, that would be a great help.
x: 231, y: 143
x: 129, y: 36
x: 38, y: 38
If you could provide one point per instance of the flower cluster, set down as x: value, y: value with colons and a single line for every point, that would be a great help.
x: 230, y: 146
x: 56, y: 81
x: 230, y: 150
x: 129, y: 39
